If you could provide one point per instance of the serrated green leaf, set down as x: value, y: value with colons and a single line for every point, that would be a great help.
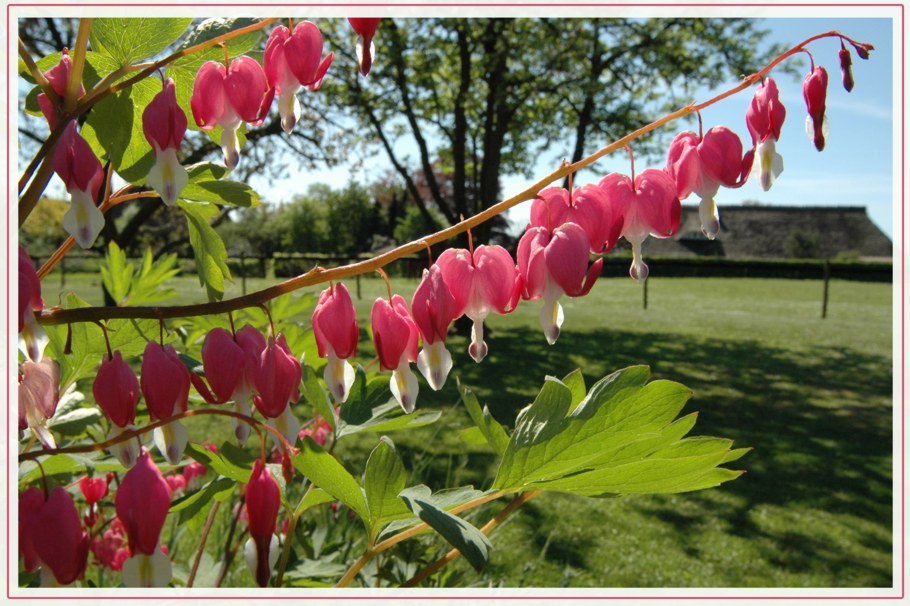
x: 147, y: 287
x: 621, y: 438
x: 194, y: 507
x: 116, y: 273
x: 130, y: 39
x: 113, y: 130
x: 327, y: 473
x: 230, y: 193
x: 472, y: 543
x: 491, y: 430
x: 383, y: 479
x: 317, y: 396
x: 211, y: 255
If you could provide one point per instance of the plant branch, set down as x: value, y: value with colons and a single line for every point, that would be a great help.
x: 367, y: 555
x: 486, y: 529
x: 205, y: 536
x: 75, y: 79
x: 132, y: 433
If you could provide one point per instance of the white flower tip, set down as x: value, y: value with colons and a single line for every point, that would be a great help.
x: 167, y: 177
x: 551, y: 319
x: 171, y: 441
x: 478, y: 347
x: 434, y: 362
x: 339, y: 377
x: 230, y: 147
x: 126, y: 452
x: 710, y: 221
x: 404, y: 387
x: 286, y: 424
x: 83, y: 221
x: 147, y: 571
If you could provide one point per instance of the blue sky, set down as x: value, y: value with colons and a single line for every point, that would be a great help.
x: 855, y: 169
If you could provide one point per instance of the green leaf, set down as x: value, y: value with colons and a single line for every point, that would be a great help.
x: 231, y: 193
x: 317, y: 396
x: 211, y: 255
x: 53, y: 465
x: 116, y: 273
x: 312, y: 498
x: 575, y: 381
x: 447, y: 499
x: 75, y: 422
x: 194, y: 507
x: 370, y: 407
x: 220, y: 463
x: 113, y: 129
x: 492, y: 431
x: 383, y: 479
x: 388, y: 417
x: 621, y: 438
x: 364, y: 397
x: 327, y: 473
x: 472, y: 543
x: 147, y: 287
x: 130, y: 39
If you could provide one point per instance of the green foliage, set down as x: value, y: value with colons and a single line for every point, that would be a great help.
x: 317, y: 396
x: 492, y: 432
x: 229, y: 461
x: 620, y: 439
x: 206, y: 185
x: 383, y: 479
x: 128, y: 40
x: 211, y: 255
x: 467, y: 539
x: 370, y: 408
x: 413, y: 225
x: 194, y: 507
x: 327, y: 473
x: 126, y: 288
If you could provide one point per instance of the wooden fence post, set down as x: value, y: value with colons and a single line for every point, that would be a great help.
x: 826, y: 270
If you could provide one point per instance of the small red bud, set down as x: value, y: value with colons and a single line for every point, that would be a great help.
x: 846, y: 67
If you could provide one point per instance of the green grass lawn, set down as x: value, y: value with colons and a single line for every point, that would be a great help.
x: 812, y: 397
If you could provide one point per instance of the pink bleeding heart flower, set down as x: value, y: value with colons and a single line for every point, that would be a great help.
x: 319, y: 431
x: 165, y: 384
x: 701, y: 166
x: 263, y: 500
x: 487, y: 280
x: 434, y: 308
x: 30, y: 503
x: 193, y: 470
x: 587, y: 206
x: 76, y: 165
x: 57, y: 77
x: 39, y: 393
x: 32, y: 337
x: 553, y: 264
x: 226, y: 97
x: 815, y: 89
x: 292, y: 60
x: 164, y: 125
x: 142, y: 502
x: 57, y: 537
x: 764, y: 119
x: 365, y: 49
x: 116, y: 391
x: 93, y: 489
x: 335, y: 328
x: 277, y: 379
x: 177, y: 483
x: 228, y: 362
x: 650, y: 207
x: 395, y: 338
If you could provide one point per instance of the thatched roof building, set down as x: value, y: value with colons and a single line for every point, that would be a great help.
x: 753, y: 231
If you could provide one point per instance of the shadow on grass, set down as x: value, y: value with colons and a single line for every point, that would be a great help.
x: 820, y: 421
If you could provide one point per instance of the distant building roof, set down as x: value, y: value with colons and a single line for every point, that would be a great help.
x: 755, y: 231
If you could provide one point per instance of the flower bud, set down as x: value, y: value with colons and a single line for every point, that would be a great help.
x: 58, y: 538
x: 335, y: 328
x: 276, y: 378
x: 263, y: 500
x: 116, y: 390
x: 365, y: 50
x: 395, y: 338
x: 846, y: 66
x: 164, y: 125
x: 142, y: 503
x: 93, y: 489
x: 815, y: 89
